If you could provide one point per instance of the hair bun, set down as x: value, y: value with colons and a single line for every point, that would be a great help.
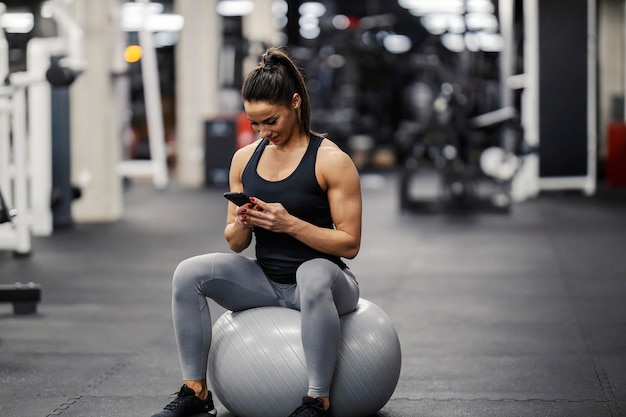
x: 269, y: 59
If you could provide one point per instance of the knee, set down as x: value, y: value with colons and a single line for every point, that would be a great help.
x: 188, y: 273
x: 315, y: 279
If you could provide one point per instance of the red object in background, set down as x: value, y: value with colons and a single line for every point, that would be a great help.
x: 245, y: 133
x: 616, y: 154
x: 354, y: 22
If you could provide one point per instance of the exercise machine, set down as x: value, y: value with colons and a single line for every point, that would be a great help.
x: 16, y: 234
x: 457, y: 144
x: 156, y: 166
x: 26, y: 128
x: 25, y: 143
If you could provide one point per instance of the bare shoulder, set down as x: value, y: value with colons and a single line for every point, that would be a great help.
x: 334, y: 166
x: 246, y: 151
x: 239, y: 161
x: 330, y: 153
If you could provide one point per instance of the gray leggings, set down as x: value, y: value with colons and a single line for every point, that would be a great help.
x: 322, y: 292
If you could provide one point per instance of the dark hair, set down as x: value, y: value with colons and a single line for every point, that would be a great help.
x: 275, y: 79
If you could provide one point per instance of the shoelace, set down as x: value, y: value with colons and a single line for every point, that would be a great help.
x: 176, y: 402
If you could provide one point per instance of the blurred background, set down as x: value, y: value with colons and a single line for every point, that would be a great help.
x: 469, y: 104
x: 490, y: 136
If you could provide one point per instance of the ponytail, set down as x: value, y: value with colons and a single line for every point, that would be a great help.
x: 275, y: 79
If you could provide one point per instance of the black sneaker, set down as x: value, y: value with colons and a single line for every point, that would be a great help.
x: 311, y: 407
x: 187, y: 404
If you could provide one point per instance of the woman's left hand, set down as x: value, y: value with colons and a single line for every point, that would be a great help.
x: 270, y: 216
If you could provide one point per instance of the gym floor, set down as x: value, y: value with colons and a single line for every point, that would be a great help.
x: 519, y: 314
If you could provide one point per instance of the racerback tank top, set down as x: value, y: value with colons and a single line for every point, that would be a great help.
x: 280, y: 254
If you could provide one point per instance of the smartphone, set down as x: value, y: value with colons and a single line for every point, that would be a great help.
x: 238, y: 198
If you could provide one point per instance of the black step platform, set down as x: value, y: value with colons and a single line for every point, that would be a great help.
x: 23, y: 296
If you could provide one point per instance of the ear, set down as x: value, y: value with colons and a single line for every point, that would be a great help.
x: 296, y: 101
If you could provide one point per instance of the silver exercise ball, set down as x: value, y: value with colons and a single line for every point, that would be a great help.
x: 257, y: 366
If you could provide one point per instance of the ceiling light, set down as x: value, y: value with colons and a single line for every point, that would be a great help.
x: 17, y: 22
x: 310, y: 33
x: 453, y: 42
x: 424, y: 7
x: 491, y: 42
x: 312, y: 8
x: 397, y: 44
x: 153, y: 23
x: 481, y: 21
x: 308, y: 22
x: 438, y: 23
x: 235, y: 7
x: 479, y: 6
x: 130, y: 8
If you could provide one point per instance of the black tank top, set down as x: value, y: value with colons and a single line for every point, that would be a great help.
x: 279, y: 254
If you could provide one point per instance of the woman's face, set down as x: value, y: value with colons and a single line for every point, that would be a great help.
x: 274, y: 122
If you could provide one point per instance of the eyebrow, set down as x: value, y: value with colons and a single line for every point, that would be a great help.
x: 274, y: 116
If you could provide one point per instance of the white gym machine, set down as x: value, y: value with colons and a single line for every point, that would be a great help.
x: 156, y: 166
x: 25, y: 129
x: 15, y: 234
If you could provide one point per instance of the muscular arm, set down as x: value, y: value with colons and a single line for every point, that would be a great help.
x: 339, y: 176
x: 237, y: 234
x: 344, y: 197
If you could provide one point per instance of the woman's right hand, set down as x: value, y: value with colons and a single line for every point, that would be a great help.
x: 242, y: 215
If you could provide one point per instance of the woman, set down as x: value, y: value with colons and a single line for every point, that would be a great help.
x: 305, y: 215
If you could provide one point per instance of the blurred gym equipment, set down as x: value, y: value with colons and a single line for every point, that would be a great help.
x: 452, y: 147
x: 30, y: 134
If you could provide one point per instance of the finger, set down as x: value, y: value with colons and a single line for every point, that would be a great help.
x: 245, y: 208
x: 258, y: 204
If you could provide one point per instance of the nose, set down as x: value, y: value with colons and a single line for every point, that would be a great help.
x: 264, y: 131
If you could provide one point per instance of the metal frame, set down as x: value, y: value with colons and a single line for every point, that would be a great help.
x: 16, y: 235
x: 530, y: 112
x: 156, y: 166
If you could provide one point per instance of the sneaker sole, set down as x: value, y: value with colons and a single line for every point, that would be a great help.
x: 208, y: 413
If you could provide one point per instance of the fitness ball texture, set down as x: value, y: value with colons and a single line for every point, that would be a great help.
x: 257, y: 366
